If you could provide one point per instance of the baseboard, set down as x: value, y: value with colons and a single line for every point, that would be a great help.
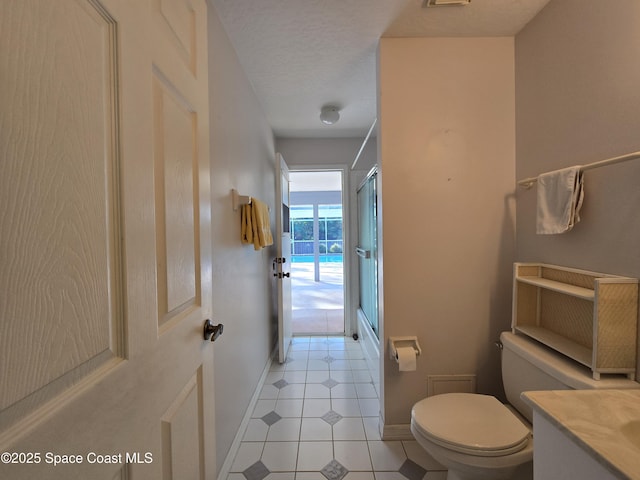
x: 396, y: 432
x: 235, y: 445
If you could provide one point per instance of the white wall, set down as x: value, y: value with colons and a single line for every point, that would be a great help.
x: 242, y: 157
x: 578, y: 101
x: 323, y: 151
x: 447, y: 146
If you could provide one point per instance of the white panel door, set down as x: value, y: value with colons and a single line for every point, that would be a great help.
x: 283, y: 261
x: 105, y: 277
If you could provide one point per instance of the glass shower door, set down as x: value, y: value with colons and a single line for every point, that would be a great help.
x: 367, y: 249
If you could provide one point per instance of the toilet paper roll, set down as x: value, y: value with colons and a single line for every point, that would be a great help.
x: 406, y: 359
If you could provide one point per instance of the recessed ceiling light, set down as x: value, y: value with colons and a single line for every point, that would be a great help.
x: 445, y: 3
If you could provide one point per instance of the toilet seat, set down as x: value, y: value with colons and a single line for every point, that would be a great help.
x: 470, y: 423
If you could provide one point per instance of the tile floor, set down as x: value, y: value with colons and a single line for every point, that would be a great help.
x: 317, y: 419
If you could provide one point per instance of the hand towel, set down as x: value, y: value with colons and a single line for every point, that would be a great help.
x: 255, y: 225
x: 560, y: 195
x: 246, y: 228
x: 261, y: 224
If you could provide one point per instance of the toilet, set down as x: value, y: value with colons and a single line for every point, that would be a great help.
x: 476, y: 436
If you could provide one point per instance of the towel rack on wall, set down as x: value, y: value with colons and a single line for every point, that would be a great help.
x: 239, y: 200
x: 528, y: 182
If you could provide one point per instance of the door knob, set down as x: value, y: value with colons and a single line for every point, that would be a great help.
x: 212, y: 331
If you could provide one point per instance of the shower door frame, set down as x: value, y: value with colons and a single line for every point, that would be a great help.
x: 373, y: 173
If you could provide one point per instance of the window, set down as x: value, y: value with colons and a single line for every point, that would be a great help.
x: 329, y: 237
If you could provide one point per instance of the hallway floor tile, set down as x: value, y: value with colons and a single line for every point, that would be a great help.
x: 317, y: 419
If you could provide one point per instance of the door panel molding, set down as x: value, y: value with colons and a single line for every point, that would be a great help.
x: 179, y: 18
x: 182, y: 436
x: 177, y: 202
x: 62, y: 280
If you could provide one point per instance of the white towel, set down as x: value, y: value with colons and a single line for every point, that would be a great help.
x: 560, y: 195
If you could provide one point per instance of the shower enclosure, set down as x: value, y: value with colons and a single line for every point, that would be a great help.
x: 367, y: 249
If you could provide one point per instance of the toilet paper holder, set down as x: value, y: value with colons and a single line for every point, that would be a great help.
x: 397, y: 342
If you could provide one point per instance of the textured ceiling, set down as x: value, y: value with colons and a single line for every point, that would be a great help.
x: 302, y: 54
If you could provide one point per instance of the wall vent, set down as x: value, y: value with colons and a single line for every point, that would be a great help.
x: 438, y: 384
x: 445, y: 3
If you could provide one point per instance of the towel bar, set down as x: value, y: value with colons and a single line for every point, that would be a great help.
x: 238, y: 199
x: 528, y: 182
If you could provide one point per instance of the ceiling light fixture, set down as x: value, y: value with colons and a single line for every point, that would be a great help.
x: 329, y: 114
x: 445, y: 3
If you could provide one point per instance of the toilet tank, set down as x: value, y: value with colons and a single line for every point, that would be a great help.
x: 527, y: 365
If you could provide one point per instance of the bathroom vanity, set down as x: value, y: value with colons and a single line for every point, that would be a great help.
x: 586, y: 434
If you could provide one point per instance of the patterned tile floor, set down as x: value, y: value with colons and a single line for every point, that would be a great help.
x: 317, y: 419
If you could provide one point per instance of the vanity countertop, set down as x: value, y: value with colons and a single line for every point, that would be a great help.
x: 605, y: 423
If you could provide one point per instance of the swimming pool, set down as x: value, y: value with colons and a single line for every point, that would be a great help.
x: 333, y: 257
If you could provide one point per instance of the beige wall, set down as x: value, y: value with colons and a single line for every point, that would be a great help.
x: 578, y: 101
x: 447, y: 146
x: 242, y: 154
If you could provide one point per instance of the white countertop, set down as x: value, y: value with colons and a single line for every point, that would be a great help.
x: 605, y: 423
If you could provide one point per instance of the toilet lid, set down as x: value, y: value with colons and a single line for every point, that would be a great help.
x: 470, y: 423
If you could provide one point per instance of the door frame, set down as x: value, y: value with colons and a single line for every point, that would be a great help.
x: 350, y: 321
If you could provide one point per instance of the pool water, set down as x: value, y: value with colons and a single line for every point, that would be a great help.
x: 323, y: 258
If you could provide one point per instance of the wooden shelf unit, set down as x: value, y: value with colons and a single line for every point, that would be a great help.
x: 587, y: 316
